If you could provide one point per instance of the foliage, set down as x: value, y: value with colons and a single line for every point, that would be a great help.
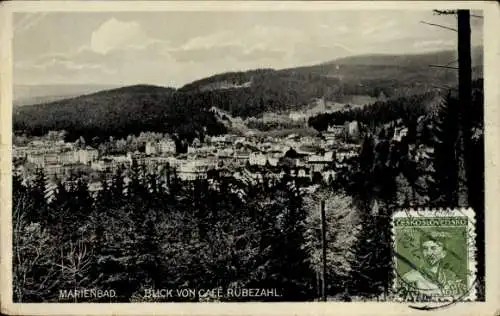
x: 146, y: 234
x: 341, y: 221
x: 120, y: 113
x: 407, y: 108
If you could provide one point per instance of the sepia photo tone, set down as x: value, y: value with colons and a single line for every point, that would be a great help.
x: 245, y: 156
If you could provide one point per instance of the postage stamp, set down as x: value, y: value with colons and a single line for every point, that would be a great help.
x: 434, y: 255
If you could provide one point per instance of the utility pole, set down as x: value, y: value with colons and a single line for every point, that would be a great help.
x: 465, y: 103
x: 323, y: 248
x: 463, y: 147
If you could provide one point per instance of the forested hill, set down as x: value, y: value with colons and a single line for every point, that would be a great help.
x: 250, y: 93
x: 186, y: 111
x: 409, y: 109
x: 119, y: 112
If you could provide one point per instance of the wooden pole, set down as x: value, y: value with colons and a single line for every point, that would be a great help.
x: 323, y: 248
x: 465, y: 100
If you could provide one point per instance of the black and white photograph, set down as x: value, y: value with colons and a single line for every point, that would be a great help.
x: 231, y: 156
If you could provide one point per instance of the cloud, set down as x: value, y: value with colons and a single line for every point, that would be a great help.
x: 146, y: 62
x: 261, y: 42
x: 377, y: 26
x: 28, y: 21
x: 434, y: 44
x: 342, y: 29
x: 113, y: 34
x: 121, y: 49
x: 262, y: 45
x: 236, y: 52
x: 113, y: 48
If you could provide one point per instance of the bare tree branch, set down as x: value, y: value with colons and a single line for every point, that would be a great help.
x: 451, y: 62
x: 445, y: 12
x: 447, y: 67
x: 453, y: 12
x: 442, y: 87
x: 438, y: 25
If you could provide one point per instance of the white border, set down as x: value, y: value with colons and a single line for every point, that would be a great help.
x: 491, y: 11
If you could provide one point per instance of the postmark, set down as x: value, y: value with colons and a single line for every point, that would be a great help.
x: 434, y: 255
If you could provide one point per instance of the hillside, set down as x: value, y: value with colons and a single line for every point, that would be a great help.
x: 263, y: 99
x: 412, y: 60
x: 118, y: 112
x: 369, y: 77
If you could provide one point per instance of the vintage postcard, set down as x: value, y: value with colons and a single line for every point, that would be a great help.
x: 241, y: 157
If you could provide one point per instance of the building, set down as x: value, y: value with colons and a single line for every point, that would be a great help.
x: 224, y: 153
x: 191, y: 175
x: 273, y: 161
x: 399, y: 133
x: 297, y: 116
x: 52, y: 158
x: 86, y: 156
x: 54, y: 169
x: 341, y: 156
x: 151, y: 148
x: 301, y: 173
x: 19, y: 152
x: 218, y: 139
x: 36, y: 159
x: 353, y: 129
x: 167, y: 146
x: 319, y: 162
x: 335, y: 129
x: 329, y: 175
x: 99, y: 165
x: 94, y: 187
x: 195, y: 169
x: 257, y: 159
x: 67, y: 157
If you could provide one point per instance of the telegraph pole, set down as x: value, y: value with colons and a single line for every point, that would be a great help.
x: 464, y: 68
x: 465, y: 101
x: 323, y: 248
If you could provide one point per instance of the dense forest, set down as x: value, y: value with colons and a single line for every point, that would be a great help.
x: 415, y: 111
x: 119, y: 113
x: 406, y: 108
x: 371, y: 75
x: 171, y: 234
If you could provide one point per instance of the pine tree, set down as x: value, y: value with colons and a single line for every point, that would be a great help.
x: 117, y: 189
x: 445, y: 157
x: 365, y: 263
x: 374, y: 193
x: 40, y: 207
x: 61, y: 212
x: 282, y: 261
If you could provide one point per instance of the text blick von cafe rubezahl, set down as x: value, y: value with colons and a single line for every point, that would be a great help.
x: 185, y: 293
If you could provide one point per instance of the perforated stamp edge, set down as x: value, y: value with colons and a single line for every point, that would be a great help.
x: 469, y: 213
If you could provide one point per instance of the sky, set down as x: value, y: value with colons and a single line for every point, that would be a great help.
x: 175, y: 48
